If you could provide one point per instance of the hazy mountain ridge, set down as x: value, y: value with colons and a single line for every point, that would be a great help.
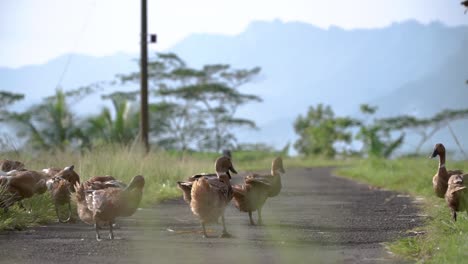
x: 301, y: 65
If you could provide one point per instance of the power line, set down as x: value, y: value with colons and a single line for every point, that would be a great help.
x: 75, y: 44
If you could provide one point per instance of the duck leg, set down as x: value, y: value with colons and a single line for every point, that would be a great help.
x: 260, y: 221
x: 250, y: 217
x: 205, y: 235
x: 111, y: 230
x: 58, y: 216
x: 96, y: 228
x: 454, y: 215
x: 225, y: 233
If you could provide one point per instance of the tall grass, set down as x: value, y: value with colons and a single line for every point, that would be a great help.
x: 443, y: 241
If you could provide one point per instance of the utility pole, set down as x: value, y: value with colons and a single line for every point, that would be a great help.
x: 144, y: 78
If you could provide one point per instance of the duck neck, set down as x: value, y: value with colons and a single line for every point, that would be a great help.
x: 275, y: 172
x: 223, y: 177
x: 442, y: 168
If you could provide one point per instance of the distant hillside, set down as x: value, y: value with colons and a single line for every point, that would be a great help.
x: 443, y: 88
x: 301, y: 65
x: 38, y: 81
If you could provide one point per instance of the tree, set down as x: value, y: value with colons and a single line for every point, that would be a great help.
x: 118, y: 124
x: 6, y: 99
x: 426, y: 127
x: 320, y: 130
x: 195, y: 107
x: 377, y: 136
x: 50, y: 124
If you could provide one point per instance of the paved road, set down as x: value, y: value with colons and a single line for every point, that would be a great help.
x: 318, y: 218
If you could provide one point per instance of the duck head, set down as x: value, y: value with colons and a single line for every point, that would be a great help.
x: 277, y: 165
x: 223, y: 165
x: 138, y: 182
x: 439, y: 150
x: 456, y: 180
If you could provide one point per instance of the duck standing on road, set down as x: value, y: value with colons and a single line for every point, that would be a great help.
x: 252, y: 195
x: 101, y: 207
x: 210, y: 196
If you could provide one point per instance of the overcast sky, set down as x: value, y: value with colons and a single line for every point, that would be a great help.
x: 33, y: 31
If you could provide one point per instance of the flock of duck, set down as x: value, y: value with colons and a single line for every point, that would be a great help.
x: 450, y: 184
x: 101, y: 199
x: 209, y: 194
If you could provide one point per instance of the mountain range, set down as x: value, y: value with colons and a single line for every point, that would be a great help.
x: 403, y: 68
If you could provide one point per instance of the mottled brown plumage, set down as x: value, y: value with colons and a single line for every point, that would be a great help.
x: 67, y: 173
x: 186, y: 186
x: 457, y: 194
x: 210, y: 196
x: 21, y: 185
x: 440, y: 179
x: 9, y: 165
x: 103, y: 182
x: 252, y: 195
x: 101, y: 207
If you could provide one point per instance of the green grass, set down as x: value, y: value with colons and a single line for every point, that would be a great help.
x: 443, y: 241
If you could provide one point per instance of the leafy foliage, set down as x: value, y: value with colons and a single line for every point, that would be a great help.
x: 319, y: 130
x: 6, y: 99
x: 48, y: 125
x: 118, y: 124
x: 195, y: 107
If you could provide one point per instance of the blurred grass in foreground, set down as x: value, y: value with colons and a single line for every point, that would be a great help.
x: 443, y: 241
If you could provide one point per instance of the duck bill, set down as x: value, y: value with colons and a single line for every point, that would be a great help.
x: 233, y: 170
x: 434, y: 154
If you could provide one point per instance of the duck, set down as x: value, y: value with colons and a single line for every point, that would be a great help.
x: 274, y: 179
x: 440, y: 179
x: 61, y: 185
x: 10, y: 165
x: 21, y: 185
x: 252, y: 195
x: 67, y: 173
x: 210, y: 196
x: 186, y: 186
x: 103, y: 182
x: 457, y: 194
x: 101, y: 207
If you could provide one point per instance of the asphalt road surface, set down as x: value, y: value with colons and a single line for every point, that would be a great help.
x: 317, y: 218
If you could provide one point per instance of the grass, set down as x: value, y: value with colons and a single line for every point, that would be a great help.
x: 443, y: 241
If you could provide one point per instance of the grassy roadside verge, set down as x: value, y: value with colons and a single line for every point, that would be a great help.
x: 443, y: 241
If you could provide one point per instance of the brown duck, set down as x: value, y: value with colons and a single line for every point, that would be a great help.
x: 457, y: 194
x: 20, y: 185
x: 440, y: 179
x: 252, y: 195
x: 210, y: 196
x: 101, y: 207
x: 60, y: 186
